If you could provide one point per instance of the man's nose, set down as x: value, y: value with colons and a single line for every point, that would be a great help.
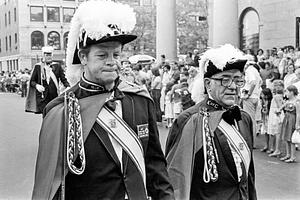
x: 110, y: 60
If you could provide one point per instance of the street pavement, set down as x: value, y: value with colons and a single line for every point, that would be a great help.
x: 19, y: 132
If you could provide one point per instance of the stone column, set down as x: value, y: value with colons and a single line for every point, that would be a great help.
x: 166, y: 31
x: 224, y: 23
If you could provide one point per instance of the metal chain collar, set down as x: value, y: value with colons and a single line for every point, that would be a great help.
x: 75, y: 144
x: 210, y: 172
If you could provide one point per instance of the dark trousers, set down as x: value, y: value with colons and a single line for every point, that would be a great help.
x: 156, y: 93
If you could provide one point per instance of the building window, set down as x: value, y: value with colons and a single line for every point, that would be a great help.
x: 15, y: 14
x: 68, y: 14
x: 16, y: 38
x: 37, y: 40
x: 10, y: 42
x: 53, y: 14
x: 8, y: 17
x: 36, y: 13
x: 66, y: 39
x: 5, y: 16
x: 54, y: 40
x: 250, y: 31
x: 6, y: 44
x: 147, y: 2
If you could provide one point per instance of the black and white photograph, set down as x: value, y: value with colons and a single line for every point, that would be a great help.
x: 149, y: 99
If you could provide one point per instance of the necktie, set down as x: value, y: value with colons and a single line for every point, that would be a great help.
x: 111, y: 104
x: 232, y: 114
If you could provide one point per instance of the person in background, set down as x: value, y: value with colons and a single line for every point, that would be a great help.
x: 196, y: 58
x: 24, y: 78
x: 276, y: 117
x: 260, y: 55
x: 266, y: 98
x: 169, y: 113
x: 45, y: 80
x: 166, y: 78
x: 290, y: 123
x: 282, y: 62
x: 156, y: 92
x: 251, y: 93
x: 290, y: 77
x: 192, y: 75
x: 189, y: 59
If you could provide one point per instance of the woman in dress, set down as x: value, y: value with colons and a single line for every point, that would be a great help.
x: 266, y: 98
x: 290, y: 122
x: 276, y: 117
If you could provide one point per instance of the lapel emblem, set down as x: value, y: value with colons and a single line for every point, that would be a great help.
x: 241, y: 146
x: 113, y: 123
x: 143, y: 130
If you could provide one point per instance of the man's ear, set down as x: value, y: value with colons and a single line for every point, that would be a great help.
x: 82, y: 57
x: 207, y: 83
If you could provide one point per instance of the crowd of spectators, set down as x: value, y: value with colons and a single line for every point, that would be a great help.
x: 276, y: 106
x: 270, y: 94
x: 15, y: 82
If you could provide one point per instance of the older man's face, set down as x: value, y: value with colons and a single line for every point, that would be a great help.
x: 48, y: 57
x: 102, y: 64
x: 226, y: 96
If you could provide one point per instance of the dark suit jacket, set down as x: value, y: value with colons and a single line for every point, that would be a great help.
x: 50, y: 89
x: 227, y: 186
x: 103, y: 178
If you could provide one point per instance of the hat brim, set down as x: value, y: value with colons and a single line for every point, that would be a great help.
x: 237, y: 64
x: 123, y: 39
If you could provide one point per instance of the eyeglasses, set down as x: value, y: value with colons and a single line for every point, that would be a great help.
x: 226, y: 82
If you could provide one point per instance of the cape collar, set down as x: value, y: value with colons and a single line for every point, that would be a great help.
x: 230, y: 114
x: 94, y: 87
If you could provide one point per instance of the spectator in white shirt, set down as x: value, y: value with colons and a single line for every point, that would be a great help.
x: 251, y: 93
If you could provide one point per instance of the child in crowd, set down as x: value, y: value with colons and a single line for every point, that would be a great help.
x: 266, y: 97
x: 276, y: 117
x: 289, y: 124
x: 169, y: 114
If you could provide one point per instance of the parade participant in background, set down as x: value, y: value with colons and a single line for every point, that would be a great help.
x: 209, y: 148
x: 113, y: 149
x: 44, y: 82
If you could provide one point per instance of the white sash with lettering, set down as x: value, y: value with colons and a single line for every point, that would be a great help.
x: 237, y: 141
x: 125, y: 136
x: 54, y: 79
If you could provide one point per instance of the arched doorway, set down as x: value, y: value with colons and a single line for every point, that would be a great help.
x: 249, y: 30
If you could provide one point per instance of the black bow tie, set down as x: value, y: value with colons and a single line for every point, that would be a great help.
x: 111, y: 104
x: 232, y: 114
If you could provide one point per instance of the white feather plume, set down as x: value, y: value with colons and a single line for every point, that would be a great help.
x: 221, y: 55
x: 93, y: 18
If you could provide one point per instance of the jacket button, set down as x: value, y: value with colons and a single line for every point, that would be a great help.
x: 124, y: 177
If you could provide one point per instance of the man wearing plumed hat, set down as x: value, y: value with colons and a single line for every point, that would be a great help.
x: 99, y: 140
x: 209, y: 147
x: 45, y: 81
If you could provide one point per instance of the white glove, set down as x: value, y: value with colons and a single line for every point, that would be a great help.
x: 40, y: 88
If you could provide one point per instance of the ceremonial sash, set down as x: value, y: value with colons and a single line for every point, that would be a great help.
x: 54, y: 79
x: 237, y: 141
x: 125, y: 136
